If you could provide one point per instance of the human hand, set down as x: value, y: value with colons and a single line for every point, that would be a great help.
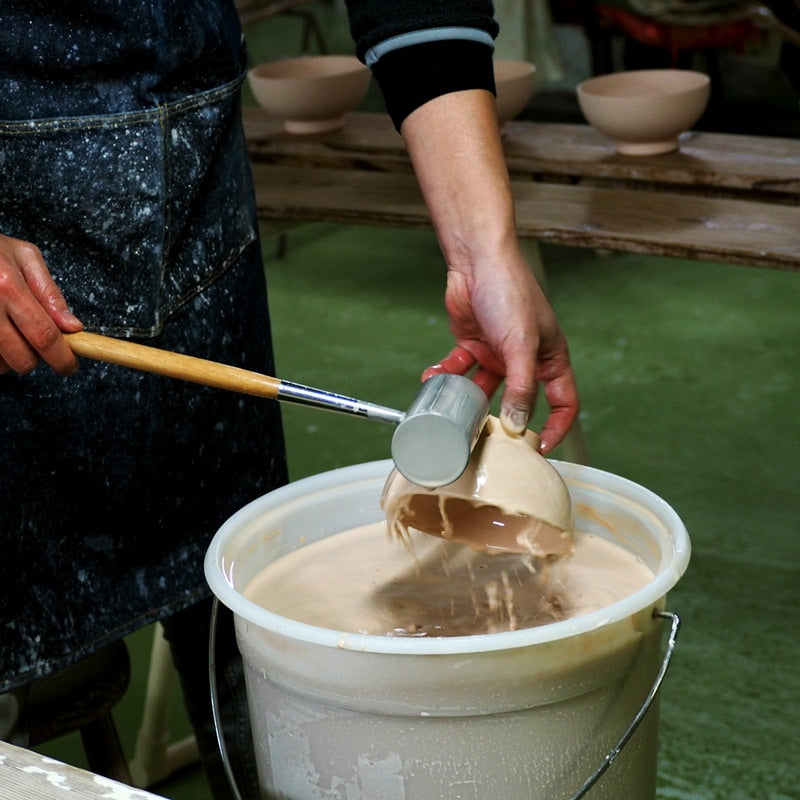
x: 504, y: 327
x: 33, y: 312
x: 499, y: 316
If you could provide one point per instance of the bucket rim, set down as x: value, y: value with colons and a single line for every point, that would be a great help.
x: 217, y: 572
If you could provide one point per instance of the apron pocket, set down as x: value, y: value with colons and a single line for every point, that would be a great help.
x: 134, y: 212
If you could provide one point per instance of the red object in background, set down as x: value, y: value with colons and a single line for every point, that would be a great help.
x: 679, y: 38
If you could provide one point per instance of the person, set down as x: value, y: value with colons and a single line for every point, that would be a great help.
x: 127, y: 208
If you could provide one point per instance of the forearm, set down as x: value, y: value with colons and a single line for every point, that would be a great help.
x: 499, y: 316
x: 433, y: 62
x: 455, y: 146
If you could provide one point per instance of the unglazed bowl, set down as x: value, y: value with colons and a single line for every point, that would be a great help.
x: 311, y: 94
x: 644, y: 111
x: 515, y: 82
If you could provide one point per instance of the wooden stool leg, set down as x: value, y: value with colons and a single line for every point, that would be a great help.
x: 573, y: 447
x: 104, y: 749
x: 156, y: 758
x: 80, y: 698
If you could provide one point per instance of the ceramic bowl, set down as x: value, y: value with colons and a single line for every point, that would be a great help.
x: 508, y: 498
x: 311, y: 94
x: 644, y: 111
x: 515, y: 82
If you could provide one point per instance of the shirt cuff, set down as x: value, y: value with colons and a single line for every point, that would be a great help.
x: 411, y: 76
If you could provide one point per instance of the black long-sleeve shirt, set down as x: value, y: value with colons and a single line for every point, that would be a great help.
x: 418, y: 50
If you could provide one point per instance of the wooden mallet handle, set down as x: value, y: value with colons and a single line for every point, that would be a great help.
x: 173, y: 365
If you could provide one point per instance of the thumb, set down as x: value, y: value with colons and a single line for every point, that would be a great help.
x: 516, y: 404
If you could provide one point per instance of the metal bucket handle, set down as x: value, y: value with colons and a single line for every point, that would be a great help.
x: 607, y: 761
x: 639, y: 716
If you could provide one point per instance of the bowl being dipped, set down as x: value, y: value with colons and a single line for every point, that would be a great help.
x: 311, y: 94
x: 509, y: 498
x: 644, y: 111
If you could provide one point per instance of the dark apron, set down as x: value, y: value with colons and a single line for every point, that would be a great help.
x: 137, y: 190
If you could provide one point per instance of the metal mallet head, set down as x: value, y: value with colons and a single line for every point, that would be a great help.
x: 432, y: 444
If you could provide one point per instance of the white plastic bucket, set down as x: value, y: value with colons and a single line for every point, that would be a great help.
x: 526, y: 715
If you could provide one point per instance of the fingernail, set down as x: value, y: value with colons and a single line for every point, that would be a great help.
x: 434, y: 369
x: 70, y: 319
x: 514, y: 421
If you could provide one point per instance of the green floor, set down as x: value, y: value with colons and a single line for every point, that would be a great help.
x: 689, y: 374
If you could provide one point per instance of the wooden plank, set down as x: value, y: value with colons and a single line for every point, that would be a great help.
x: 705, y: 162
x: 703, y: 228
x: 27, y: 774
x: 367, y: 141
x: 711, y: 163
x: 715, y: 229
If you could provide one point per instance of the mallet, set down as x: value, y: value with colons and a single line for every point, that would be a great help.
x: 431, y: 445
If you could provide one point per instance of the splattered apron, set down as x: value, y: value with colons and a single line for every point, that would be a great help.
x: 123, y: 160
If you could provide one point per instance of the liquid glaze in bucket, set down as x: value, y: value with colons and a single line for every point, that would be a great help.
x: 526, y: 715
